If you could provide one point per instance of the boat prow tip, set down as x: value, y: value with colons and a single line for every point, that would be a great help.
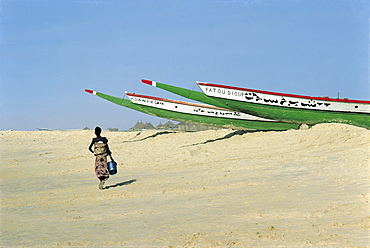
x: 90, y: 91
x: 152, y: 83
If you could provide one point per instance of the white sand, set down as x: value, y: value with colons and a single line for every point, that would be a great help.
x: 291, y: 189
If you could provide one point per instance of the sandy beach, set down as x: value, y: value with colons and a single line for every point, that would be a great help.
x: 215, y: 188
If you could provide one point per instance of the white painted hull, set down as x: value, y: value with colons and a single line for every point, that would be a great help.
x: 190, y: 108
x: 284, y: 100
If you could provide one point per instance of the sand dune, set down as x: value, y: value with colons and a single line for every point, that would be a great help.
x: 297, y: 188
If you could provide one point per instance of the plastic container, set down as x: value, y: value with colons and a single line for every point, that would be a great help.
x: 112, y: 168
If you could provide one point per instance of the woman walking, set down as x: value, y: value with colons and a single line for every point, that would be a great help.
x: 101, y: 151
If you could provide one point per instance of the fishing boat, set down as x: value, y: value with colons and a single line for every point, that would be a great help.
x: 289, y: 107
x: 207, y: 115
x: 201, y: 97
x: 194, y: 113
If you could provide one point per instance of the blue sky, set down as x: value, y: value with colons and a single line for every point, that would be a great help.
x: 52, y: 50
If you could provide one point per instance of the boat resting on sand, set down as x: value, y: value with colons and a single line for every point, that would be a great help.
x: 201, y: 97
x: 195, y: 113
x: 290, y: 108
x: 208, y: 115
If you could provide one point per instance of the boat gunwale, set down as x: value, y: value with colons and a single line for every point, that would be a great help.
x: 179, y: 102
x: 284, y: 94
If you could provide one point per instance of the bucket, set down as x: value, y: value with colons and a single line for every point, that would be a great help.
x: 112, y: 168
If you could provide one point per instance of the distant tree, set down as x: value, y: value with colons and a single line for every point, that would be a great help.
x: 159, y: 126
x: 86, y: 128
x: 112, y: 129
x: 169, y: 125
x: 142, y: 126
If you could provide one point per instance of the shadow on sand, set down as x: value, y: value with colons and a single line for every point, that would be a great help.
x: 121, y: 184
x: 151, y: 136
x: 227, y: 136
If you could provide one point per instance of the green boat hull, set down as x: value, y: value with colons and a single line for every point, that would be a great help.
x: 197, y: 119
x: 282, y: 114
x: 201, y: 97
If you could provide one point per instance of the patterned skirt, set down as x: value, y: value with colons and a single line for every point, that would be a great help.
x: 101, y: 167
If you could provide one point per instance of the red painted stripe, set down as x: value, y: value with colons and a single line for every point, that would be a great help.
x: 89, y: 91
x: 147, y: 81
x: 177, y: 102
x: 285, y: 94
